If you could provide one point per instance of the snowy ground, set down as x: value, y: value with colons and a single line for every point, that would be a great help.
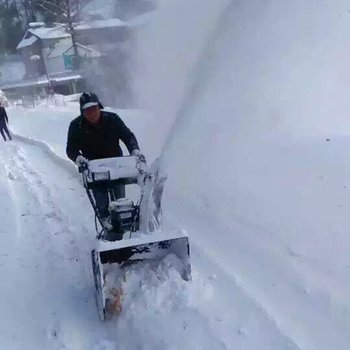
x: 251, y: 103
x: 253, y: 287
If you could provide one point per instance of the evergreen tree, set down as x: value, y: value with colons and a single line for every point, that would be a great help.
x: 11, y: 25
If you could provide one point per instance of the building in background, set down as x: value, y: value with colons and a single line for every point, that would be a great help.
x: 104, y: 47
x: 45, y: 71
x: 40, y: 40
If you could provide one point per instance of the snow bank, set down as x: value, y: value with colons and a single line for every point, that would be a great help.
x: 50, y: 124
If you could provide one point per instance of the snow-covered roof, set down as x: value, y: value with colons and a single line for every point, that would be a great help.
x: 50, y: 32
x: 27, y: 42
x: 66, y: 47
x: 42, y: 81
x: 105, y: 23
x: 60, y: 32
x: 114, y: 22
x: 84, y: 51
x: 60, y: 48
x: 36, y: 24
x: 104, y: 47
x: 64, y: 76
x: 139, y: 20
x: 43, y: 33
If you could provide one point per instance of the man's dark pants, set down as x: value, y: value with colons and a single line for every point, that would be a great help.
x: 101, y: 197
x: 3, y: 130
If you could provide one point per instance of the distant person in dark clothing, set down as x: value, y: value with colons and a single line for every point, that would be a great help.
x: 96, y: 134
x: 3, y: 124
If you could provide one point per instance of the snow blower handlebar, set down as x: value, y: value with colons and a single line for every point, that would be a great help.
x: 111, y: 171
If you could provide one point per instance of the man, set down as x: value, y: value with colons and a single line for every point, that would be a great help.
x: 3, y: 123
x: 95, y: 134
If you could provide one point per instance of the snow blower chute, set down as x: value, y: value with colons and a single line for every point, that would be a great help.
x: 134, y: 234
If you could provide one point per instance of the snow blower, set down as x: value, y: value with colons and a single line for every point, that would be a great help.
x: 135, y: 234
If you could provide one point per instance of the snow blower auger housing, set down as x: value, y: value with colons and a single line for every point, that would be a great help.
x: 136, y: 235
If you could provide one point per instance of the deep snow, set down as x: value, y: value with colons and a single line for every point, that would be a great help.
x: 250, y: 101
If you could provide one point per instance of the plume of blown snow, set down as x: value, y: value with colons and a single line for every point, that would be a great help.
x: 223, y: 77
x: 168, y: 50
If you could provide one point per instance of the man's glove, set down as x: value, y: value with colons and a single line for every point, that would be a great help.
x: 139, y: 155
x: 81, y: 162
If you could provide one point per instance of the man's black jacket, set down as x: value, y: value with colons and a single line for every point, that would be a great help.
x: 101, y: 140
x: 3, y: 116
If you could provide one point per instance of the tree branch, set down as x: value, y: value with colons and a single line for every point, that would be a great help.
x: 50, y: 3
x: 48, y: 10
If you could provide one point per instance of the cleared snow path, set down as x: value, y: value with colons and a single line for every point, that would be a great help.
x: 45, y: 280
x: 47, y: 295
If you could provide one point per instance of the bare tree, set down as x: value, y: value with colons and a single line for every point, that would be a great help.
x: 27, y: 9
x: 66, y: 12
